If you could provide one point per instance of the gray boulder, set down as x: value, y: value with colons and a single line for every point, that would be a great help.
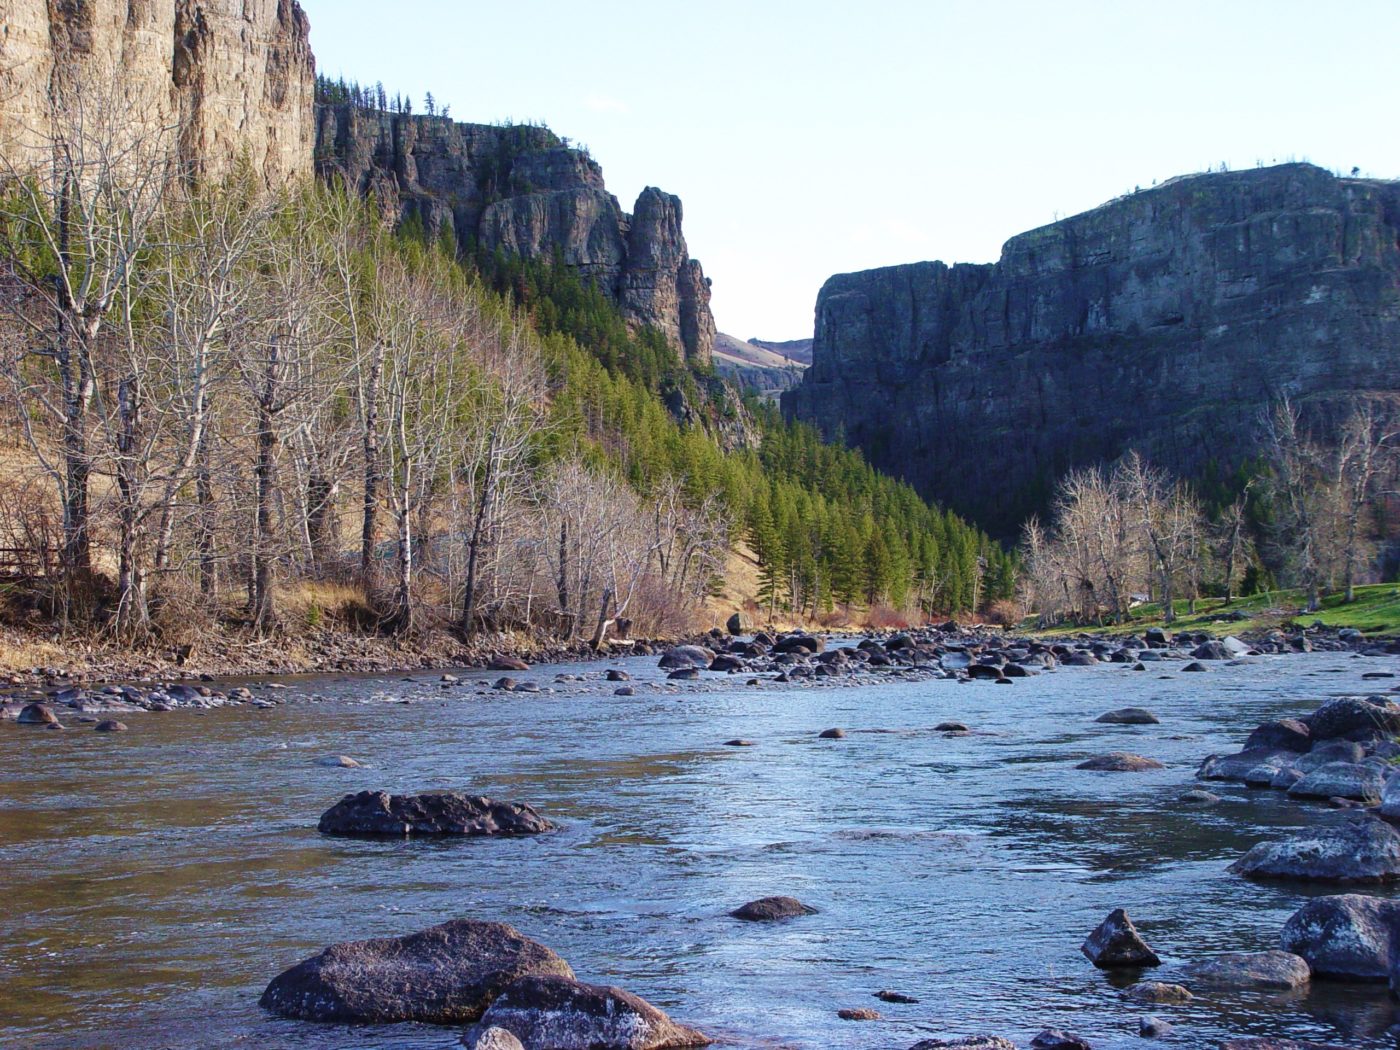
x: 1157, y: 992
x: 491, y: 1039
x: 1116, y: 943
x: 376, y: 813
x: 446, y: 974
x: 1235, y: 767
x: 1290, y: 734
x: 560, y: 1013
x: 1347, y: 936
x: 1270, y: 971
x: 967, y: 1042
x: 1129, y: 716
x: 1361, y: 849
x: 1355, y: 780
x: 683, y: 656
x: 1058, y: 1039
x: 1346, y: 715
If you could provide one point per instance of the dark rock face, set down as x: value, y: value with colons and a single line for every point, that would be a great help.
x: 1363, y: 849
x: 1346, y: 937
x: 523, y: 190
x: 372, y: 813
x: 771, y: 909
x: 1164, y: 321
x: 564, y: 1014
x: 447, y: 974
x: 1116, y: 943
x: 1270, y: 971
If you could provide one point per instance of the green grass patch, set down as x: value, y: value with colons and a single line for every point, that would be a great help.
x: 1376, y: 611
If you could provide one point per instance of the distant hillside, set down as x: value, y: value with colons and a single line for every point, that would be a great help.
x: 799, y: 350
x: 756, y: 368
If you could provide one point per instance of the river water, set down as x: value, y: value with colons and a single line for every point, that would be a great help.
x: 154, y: 881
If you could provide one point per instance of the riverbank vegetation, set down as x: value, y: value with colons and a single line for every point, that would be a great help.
x: 220, y: 400
x: 1316, y: 514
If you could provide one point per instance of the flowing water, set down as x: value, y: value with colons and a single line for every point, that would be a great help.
x: 154, y: 881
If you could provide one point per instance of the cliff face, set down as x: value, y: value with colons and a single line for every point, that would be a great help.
x: 522, y: 190
x: 1165, y: 321
x: 236, y: 76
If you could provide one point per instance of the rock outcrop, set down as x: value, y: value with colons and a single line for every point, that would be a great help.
x: 1163, y: 321
x: 522, y: 189
x: 235, y: 76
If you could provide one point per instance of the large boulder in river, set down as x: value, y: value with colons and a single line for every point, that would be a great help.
x: 375, y: 813
x: 1287, y: 733
x: 37, y: 715
x: 738, y: 624
x: 771, y: 909
x: 560, y: 1013
x: 1238, y: 766
x: 1363, y: 849
x: 1116, y: 943
x: 1355, y: 780
x: 1346, y: 937
x: 1347, y: 715
x: 684, y: 656
x: 447, y: 974
x: 1267, y: 971
x: 1120, y: 762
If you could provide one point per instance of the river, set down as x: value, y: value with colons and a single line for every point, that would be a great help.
x: 155, y: 880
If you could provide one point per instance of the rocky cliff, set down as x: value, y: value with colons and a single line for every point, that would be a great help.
x: 236, y: 76
x: 522, y: 189
x: 1166, y: 321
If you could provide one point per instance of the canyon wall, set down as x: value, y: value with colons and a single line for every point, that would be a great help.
x: 524, y: 190
x: 1166, y: 321
x: 234, y: 78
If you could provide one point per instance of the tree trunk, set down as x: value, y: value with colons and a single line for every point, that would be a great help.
x: 1168, y: 600
x: 600, y: 633
x: 133, y: 614
x: 371, y: 464
x: 261, y: 603
x: 204, y: 493
x: 403, y: 615
x: 483, y: 508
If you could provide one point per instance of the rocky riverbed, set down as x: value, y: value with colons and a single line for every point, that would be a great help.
x: 946, y: 854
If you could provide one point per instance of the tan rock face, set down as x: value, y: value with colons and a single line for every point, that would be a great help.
x: 236, y: 76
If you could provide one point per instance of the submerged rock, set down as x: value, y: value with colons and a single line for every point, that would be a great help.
x: 561, y: 1013
x: 885, y: 995
x: 831, y: 734
x: 1197, y: 797
x: 859, y: 1013
x: 1129, y: 716
x: 1057, y: 1039
x: 110, y: 725
x: 447, y: 974
x: 1121, y: 762
x: 771, y: 909
x: 1363, y: 849
x: 1272, y: 971
x: 1347, y: 936
x: 373, y: 813
x: 968, y: 1042
x: 1158, y: 992
x: 1153, y: 1028
x: 1116, y: 943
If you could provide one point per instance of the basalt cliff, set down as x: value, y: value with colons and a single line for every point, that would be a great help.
x: 524, y: 190
x: 1165, y: 321
x: 235, y: 77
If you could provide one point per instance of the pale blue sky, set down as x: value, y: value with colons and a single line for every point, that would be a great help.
x: 812, y: 138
